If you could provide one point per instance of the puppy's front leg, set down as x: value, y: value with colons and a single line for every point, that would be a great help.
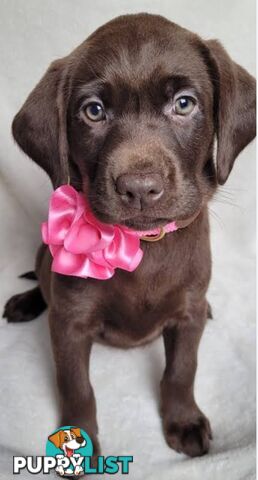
x: 72, y: 340
x: 186, y: 428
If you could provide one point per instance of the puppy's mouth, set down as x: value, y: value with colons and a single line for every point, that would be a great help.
x: 68, y: 451
x: 145, y: 222
x: 139, y: 222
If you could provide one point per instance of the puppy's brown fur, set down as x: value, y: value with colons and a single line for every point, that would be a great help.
x: 136, y: 65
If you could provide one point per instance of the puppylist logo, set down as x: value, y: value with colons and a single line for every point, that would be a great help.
x: 69, y: 451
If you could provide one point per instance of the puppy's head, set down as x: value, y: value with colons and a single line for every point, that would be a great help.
x: 68, y: 440
x: 132, y: 114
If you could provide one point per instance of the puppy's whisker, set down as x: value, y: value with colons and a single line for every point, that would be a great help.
x: 229, y: 189
x: 216, y: 217
x: 232, y: 204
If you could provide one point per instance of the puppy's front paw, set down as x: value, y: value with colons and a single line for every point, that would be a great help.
x: 191, y: 436
x: 24, y: 306
x: 60, y: 470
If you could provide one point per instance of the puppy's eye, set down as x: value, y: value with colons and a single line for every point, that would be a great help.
x: 66, y: 439
x: 184, y: 105
x: 94, y: 112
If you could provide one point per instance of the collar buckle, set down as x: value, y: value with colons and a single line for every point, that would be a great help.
x: 154, y: 238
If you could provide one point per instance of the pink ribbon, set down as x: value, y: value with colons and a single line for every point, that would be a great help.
x: 84, y: 247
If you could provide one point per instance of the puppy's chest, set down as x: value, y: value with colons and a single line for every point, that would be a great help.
x: 134, y: 312
x: 136, y: 306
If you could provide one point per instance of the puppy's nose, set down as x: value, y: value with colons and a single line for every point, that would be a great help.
x: 80, y: 440
x: 138, y: 190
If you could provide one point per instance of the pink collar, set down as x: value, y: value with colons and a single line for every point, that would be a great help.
x: 84, y: 247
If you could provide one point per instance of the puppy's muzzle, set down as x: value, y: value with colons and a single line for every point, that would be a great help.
x: 140, y: 190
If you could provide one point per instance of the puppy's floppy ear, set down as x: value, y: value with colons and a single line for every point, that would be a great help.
x: 76, y: 431
x: 39, y: 127
x: 56, y: 439
x: 236, y: 109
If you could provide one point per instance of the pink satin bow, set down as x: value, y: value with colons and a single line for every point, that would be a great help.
x: 81, y: 245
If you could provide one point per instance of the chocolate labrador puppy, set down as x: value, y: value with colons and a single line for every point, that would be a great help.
x: 131, y: 116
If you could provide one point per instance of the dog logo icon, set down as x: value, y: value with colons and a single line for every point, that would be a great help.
x: 69, y: 445
x: 69, y: 452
